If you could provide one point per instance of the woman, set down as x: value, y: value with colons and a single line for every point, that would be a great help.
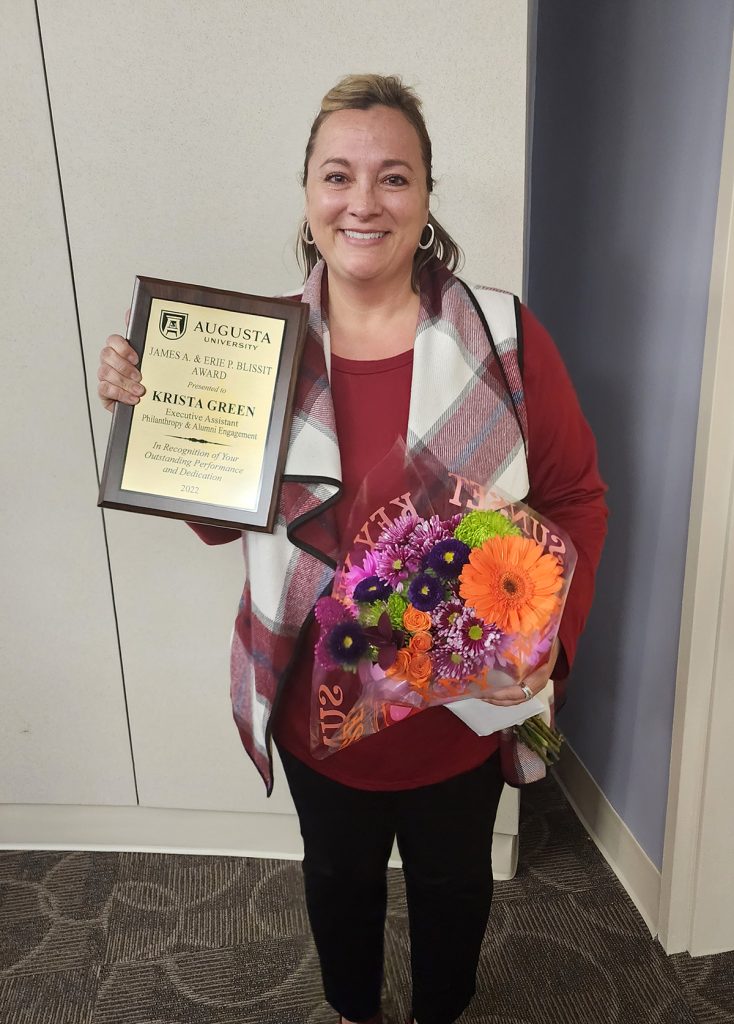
x: 397, y: 347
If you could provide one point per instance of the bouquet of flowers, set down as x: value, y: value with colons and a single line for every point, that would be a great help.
x: 434, y: 609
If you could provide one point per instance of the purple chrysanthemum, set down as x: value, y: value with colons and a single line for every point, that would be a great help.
x: 449, y: 663
x: 425, y: 536
x: 346, y: 643
x: 425, y: 592
x: 398, y: 531
x: 395, y: 563
x: 372, y: 589
x: 448, y: 558
x: 473, y: 635
x: 444, y: 616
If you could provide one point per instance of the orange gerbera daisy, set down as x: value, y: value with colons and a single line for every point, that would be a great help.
x: 512, y: 582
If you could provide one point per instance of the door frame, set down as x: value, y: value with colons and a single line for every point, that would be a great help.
x: 700, y: 672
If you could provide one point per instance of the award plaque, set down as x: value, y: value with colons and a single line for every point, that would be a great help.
x: 208, y: 439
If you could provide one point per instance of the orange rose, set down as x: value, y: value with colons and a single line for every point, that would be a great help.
x: 416, y: 621
x: 420, y: 643
x: 420, y: 667
x: 401, y: 664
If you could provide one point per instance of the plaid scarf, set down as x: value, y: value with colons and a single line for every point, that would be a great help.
x: 461, y: 417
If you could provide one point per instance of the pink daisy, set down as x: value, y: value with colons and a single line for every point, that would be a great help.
x: 359, y: 572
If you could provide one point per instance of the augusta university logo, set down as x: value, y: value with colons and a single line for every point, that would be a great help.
x: 172, y: 325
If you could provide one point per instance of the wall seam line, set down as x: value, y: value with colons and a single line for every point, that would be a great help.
x: 86, y: 389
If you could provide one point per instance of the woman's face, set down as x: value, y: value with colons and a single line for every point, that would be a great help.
x: 366, y: 195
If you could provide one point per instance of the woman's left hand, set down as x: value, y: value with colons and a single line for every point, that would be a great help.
x: 507, y: 696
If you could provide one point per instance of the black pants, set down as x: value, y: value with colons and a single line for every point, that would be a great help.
x: 444, y: 834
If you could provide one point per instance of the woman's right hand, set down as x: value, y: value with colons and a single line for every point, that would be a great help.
x: 118, y: 375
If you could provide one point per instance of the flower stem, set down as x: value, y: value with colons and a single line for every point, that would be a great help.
x: 540, y: 738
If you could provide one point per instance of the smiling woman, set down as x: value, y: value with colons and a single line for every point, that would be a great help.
x: 385, y: 94
x: 366, y: 197
x: 399, y: 350
x: 366, y: 208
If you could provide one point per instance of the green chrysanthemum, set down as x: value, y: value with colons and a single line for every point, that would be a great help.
x: 476, y: 527
x: 396, y: 606
x: 369, y: 614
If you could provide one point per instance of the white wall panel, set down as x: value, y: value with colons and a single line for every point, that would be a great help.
x: 64, y: 731
x: 181, y: 129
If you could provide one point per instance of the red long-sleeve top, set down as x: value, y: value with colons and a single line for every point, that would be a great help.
x: 371, y: 400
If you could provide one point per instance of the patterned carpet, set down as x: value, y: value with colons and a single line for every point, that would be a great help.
x: 93, y: 938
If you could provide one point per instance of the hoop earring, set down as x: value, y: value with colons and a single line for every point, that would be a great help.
x: 305, y: 231
x: 429, y: 244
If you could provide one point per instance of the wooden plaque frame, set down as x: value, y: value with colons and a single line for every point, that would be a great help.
x: 294, y: 314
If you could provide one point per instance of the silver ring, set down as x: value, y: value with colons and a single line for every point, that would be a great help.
x: 527, y: 691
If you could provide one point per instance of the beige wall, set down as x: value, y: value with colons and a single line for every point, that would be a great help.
x: 180, y: 130
x: 61, y: 691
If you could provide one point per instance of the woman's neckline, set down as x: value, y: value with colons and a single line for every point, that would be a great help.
x: 344, y: 365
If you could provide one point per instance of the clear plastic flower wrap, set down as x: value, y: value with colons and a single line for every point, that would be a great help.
x: 444, y: 592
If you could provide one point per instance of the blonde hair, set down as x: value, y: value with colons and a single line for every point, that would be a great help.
x: 360, y: 92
